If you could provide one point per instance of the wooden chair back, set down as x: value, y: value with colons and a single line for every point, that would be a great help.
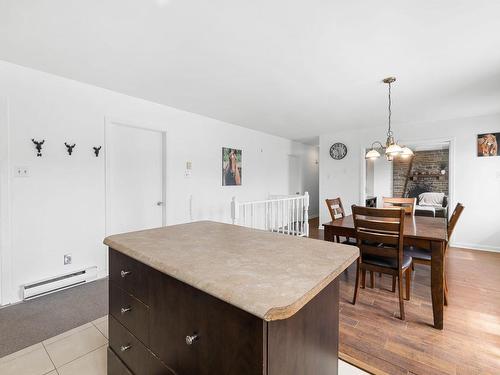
x: 408, y: 204
x: 335, y: 208
x: 457, y: 212
x: 379, y: 231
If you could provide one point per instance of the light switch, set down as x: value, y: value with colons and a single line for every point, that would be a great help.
x: 189, y: 167
x: 21, y: 172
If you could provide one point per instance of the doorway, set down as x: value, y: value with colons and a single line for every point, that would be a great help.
x: 135, y: 177
x: 5, y: 270
x: 294, y: 175
x: 431, y: 169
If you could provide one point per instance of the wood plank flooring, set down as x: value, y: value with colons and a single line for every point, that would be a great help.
x: 374, y: 339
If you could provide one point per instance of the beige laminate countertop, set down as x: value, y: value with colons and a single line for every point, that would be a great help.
x: 269, y: 275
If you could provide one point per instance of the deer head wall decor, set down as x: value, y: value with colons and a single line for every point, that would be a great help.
x: 70, y: 147
x: 96, y: 151
x: 38, y: 146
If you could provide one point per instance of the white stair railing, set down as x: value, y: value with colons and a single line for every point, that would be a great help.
x: 280, y: 214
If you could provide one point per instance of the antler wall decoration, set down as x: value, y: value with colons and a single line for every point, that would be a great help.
x: 96, y: 151
x: 38, y: 146
x: 70, y: 147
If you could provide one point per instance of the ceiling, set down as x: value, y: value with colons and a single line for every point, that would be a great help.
x: 292, y: 68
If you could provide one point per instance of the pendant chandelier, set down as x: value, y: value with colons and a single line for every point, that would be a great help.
x: 391, y: 148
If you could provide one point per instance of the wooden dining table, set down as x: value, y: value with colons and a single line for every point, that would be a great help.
x: 425, y: 232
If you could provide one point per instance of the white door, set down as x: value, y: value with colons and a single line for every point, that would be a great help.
x: 4, y: 201
x: 134, y: 178
x: 294, y: 175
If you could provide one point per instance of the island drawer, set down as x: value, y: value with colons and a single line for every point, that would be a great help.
x: 129, y: 274
x: 115, y: 365
x: 133, y: 353
x: 130, y: 312
x: 225, y: 339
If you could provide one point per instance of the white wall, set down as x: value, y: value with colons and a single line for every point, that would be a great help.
x: 476, y: 180
x: 370, y: 175
x: 60, y: 208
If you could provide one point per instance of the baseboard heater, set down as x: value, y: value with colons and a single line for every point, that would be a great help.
x: 55, y: 284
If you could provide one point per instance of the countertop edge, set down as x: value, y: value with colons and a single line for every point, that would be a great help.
x: 276, y: 313
x: 285, y: 312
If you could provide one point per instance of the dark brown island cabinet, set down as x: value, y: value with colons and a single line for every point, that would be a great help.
x: 207, y: 298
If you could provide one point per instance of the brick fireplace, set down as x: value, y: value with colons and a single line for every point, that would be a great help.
x: 425, y: 173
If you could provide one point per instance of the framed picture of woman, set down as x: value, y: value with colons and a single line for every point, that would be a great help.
x: 231, y: 166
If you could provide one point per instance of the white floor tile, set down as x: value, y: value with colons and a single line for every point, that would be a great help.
x: 102, y: 325
x: 348, y: 369
x: 94, y: 363
x: 70, y: 347
x: 67, y: 333
x: 30, y: 361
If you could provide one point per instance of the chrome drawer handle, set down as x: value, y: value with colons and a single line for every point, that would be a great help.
x: 125, y: 309
x: 191, y: 339
x: 125, y: 273
x: 124, y: 348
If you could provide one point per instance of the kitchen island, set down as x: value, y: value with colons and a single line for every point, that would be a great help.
x: 207, y: 298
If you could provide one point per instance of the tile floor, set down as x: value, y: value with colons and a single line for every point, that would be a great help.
x: 80, y: 351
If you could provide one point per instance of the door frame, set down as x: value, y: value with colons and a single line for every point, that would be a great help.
x: 5, y: 207
x: 108, y: 122
x: 451, y: 166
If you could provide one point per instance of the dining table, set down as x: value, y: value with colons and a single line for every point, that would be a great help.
x: 425, y: 232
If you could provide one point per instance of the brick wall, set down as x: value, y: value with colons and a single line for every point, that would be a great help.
x: 424, y: 163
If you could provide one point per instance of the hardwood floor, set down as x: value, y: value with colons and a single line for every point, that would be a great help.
x: 374, y: 339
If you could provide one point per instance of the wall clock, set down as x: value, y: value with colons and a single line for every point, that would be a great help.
x: 338, y: 151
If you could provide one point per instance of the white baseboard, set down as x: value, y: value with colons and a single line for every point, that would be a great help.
x: 472, y: 246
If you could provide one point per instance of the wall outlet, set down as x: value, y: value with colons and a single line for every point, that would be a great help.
x: 67, y: 259
x: 21, y: 172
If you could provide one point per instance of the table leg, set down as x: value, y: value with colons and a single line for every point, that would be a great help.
x: 329, y: 235
x: 437, y: 282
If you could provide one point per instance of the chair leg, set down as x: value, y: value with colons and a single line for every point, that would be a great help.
x: 393, y: 283
x: 445, y: 279
x: 372, y: 280
x: 363, y: 278
x: 445, y: 290
x: 401, y: 301
x: 408, y: 285
x: 356, y: 283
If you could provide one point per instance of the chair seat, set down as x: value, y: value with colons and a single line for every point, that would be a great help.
x: 386, y: 262
x: 417, y: 253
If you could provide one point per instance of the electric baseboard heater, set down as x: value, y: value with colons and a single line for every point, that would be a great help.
x: 55, y: 284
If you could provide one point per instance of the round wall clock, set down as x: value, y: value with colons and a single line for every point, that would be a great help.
x: 338, y: 151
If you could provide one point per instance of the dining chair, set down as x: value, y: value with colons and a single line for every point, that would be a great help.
x: 336, y: 212
x: 384, y: 227
x: 408, y: 204
x: 423, y: 256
